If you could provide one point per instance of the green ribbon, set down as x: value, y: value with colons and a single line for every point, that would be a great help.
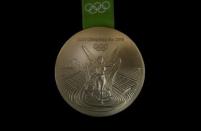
x: 98, y: 13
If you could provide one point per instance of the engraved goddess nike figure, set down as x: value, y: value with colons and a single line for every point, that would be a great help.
x: 101, y: 75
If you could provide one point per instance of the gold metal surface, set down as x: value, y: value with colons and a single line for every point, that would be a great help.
x: 99, y: 71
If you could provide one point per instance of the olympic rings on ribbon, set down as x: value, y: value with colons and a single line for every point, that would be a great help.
x: 97, y: 7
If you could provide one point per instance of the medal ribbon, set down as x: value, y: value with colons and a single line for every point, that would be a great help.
x: 97, y: 13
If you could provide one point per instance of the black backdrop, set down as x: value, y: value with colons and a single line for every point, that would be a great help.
x: 39, y: 30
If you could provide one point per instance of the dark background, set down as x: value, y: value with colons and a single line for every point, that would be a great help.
x: 36, y: 32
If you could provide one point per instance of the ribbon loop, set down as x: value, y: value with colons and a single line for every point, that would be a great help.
x: 98, y: 13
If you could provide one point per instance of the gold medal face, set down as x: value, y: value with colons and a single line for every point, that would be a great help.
x: 99, y: 71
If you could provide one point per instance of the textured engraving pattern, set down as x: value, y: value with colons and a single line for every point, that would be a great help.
x: 124, y: 87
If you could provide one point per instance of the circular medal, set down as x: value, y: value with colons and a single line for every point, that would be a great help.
x: 99, y: 71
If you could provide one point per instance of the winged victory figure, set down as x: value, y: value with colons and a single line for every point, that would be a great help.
x: 100, y: 73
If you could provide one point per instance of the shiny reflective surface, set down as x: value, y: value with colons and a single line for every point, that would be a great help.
x: 99, y: 71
